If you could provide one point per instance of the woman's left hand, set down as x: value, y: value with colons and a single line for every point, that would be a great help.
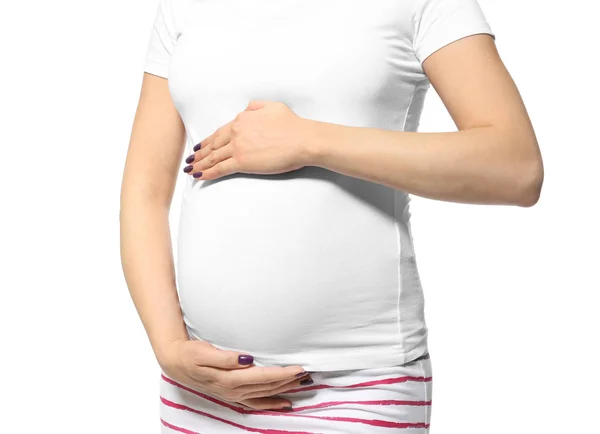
x: 266, y: 138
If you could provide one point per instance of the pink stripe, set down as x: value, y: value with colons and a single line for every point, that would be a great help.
x: 237, y: 425
x: 307, y: 407
x: 380, y: 402
x: 177, y: 428
x: 372, y: 422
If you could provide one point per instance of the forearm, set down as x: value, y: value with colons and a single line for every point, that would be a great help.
x: 479, y: 165
x: 147, y: 259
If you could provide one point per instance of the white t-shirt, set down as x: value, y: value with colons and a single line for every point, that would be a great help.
x: 309, y: 267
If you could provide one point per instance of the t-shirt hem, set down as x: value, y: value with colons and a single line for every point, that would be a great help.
x: 452, y: 34
x: 346, y: 361
x: 156, y: 68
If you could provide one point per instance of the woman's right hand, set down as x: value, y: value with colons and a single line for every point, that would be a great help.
x: 219, y: 373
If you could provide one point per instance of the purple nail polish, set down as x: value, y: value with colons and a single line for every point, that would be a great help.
x: 189, y: 159
x: 197, y: 175
x: 245, y: 360
x: 307, y: 381
x: 188, y: 169
x: 301, y: 374
x: 197, y: 147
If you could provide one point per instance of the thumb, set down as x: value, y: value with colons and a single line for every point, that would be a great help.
x: 256, y: 104
x: 209, y: 355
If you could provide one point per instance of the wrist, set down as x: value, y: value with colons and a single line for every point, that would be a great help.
x: 165, y: 352
x: 314, y: 146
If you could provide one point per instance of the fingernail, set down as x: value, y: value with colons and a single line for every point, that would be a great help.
x: 245, y: 360
x: 189, y: 159
x: 197, y: 175
x: 307, y: 381
x: 301, y: 374
x: 197, y: 147
x: 188, y: 169
x: 289, y: 407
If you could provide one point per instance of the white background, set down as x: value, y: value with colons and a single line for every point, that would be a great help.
x: 515, y: 288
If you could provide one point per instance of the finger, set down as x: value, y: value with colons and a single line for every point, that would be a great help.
x: 263, y: 374
x: 205, y: 147
x: 204, y: 142
x: 271, y: 389
x: 205, y: 354
x: 212, y: 158
x: 269, y: 403
x: 201, y: 153
x: 256, y: 104
x: 224, y: 168
x: 221, y: 139
x: 265, y: 389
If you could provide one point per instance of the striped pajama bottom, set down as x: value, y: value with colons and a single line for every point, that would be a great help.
x: 394, y: 399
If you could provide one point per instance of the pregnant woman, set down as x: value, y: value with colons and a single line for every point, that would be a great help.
x: 295, y: 304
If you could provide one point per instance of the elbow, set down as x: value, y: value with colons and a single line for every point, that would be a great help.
x: 530, y: 185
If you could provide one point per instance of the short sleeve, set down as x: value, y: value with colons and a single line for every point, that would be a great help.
x: 162, y: 40
x: 440, y: 22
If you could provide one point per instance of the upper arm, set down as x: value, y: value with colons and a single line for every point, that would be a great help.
x: 158, y: 133
x: 456, y: 46
x: 157, y: 143
x: 476, y: 88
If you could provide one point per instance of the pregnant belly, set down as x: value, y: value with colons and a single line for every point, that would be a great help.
x: 282, y: 263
